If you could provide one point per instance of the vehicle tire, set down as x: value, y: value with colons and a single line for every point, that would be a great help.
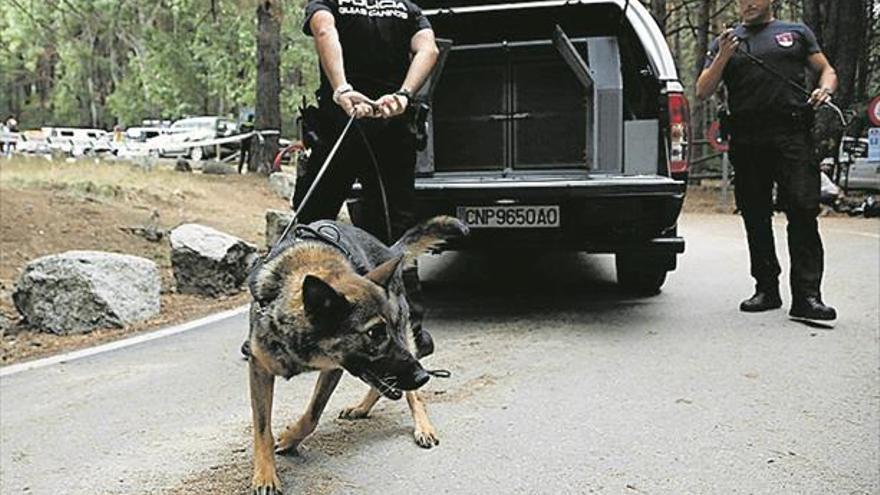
x: 197, y: 154
x: 640, y: 274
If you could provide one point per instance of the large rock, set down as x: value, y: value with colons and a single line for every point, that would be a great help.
x: 282, y: 184
x: 209, y: 262
x: 276, y: 222
x: 79, y: 291
x: 5, y: 324
x: 218, y: 168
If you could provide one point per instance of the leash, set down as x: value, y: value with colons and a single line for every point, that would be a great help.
x: 320, y: 175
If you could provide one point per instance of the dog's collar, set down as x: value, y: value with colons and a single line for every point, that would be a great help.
x: 326, y: 233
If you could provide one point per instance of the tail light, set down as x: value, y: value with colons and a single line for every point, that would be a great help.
x: 679, y: 131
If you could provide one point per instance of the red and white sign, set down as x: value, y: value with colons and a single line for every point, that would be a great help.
x: 716, y: 140
x: 785, y: 40
x: 874, y: 111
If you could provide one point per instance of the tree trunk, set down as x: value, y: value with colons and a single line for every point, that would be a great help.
x: 840, y: 29
x: 702, y: 46
x: 658, y: 8
x: 267, y: 114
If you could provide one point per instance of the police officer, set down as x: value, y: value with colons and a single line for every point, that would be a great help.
x: 244, y: 151
x: 374, y: 54
x: 770, y: 142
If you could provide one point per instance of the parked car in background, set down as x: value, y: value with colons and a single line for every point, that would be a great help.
x: 858, y: 173
x: 78, y: 141
x: 34, y: 141
x: 192, y: 129
x: 143, y: 134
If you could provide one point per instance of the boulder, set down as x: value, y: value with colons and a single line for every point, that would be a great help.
x: 5, y: 324
x: 79, y: 291
x: 276, y: 222
x: 218, y: 168
x: 282, y: 184
x: 209, y: 262
x: 182, y: 165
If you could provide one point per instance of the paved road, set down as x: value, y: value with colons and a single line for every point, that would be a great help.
x: 561, y: 385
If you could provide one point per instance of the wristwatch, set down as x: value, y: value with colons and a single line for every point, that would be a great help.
x: 404, y: 92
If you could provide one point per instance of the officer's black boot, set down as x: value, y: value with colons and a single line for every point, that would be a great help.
x: 423, y: 340
x: 811, y: 309
x: 765, y: 299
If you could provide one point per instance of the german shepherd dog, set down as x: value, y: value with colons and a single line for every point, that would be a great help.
x: 331, y: 299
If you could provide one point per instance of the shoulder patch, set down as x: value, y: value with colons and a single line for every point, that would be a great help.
x: 785, y: 40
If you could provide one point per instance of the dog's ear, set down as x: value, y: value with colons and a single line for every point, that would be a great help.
x: 384, y: 273
x: 321, y: 300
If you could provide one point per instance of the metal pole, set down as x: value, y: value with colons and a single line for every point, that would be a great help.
x: 725, y: 179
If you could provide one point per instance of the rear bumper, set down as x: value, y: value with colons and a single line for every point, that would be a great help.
x: 601, y: 214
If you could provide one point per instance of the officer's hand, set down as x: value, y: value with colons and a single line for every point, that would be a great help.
x: 819, y: 97
x: 727, y: 44
x: 355, y: 103
x: 392, y: 105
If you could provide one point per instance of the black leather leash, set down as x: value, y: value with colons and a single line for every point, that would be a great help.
x: 324, y: 168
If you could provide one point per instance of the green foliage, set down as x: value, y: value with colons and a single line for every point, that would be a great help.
x: 102, y: 62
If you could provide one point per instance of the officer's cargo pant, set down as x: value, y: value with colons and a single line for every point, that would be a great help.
x: 783, y: 157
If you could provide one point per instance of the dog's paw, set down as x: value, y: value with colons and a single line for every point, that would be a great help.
x: 426, y: 437
x: 287, y: 444
x: 266, y: 485
x: 287, y: 449
x: 355, y: 412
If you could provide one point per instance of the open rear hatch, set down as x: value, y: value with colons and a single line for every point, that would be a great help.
x: 518, y: 95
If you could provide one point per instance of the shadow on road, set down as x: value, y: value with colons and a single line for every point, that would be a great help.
x: 519, y: 283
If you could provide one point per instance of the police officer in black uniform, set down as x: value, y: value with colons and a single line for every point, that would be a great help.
x: 374, y: 54
x: 770, y: 142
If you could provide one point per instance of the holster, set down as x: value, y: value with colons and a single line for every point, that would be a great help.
x: 419, y: 123
x: 310, y: 124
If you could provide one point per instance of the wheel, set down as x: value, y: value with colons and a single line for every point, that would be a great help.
x: 197, y: 154
x: 640, y: 274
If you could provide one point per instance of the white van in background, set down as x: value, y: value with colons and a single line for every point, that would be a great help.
x: 77, y: 141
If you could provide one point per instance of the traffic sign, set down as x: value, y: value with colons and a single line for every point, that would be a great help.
x: 874, y: 144
x: 874, y: 111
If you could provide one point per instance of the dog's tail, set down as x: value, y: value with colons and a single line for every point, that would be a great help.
x: 427, y: 235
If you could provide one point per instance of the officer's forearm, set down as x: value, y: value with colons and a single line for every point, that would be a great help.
x: 422, y: 63
x: 828, y: 79
x: 710, y: 78
x: 330, y: 54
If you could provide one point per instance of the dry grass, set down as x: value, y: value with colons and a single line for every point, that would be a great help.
x: 104, y: 179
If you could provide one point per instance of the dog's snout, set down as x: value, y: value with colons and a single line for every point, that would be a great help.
x: 421, y: 377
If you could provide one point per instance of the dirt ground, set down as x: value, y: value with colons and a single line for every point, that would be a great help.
x: 51, y: 207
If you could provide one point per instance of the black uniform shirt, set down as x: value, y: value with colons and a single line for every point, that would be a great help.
x: 784, y: 47
x: 375, y: 36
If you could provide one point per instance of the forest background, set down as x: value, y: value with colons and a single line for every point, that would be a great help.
x: 99, y: 63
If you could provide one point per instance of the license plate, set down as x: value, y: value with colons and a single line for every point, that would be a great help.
x: 508, y: 217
